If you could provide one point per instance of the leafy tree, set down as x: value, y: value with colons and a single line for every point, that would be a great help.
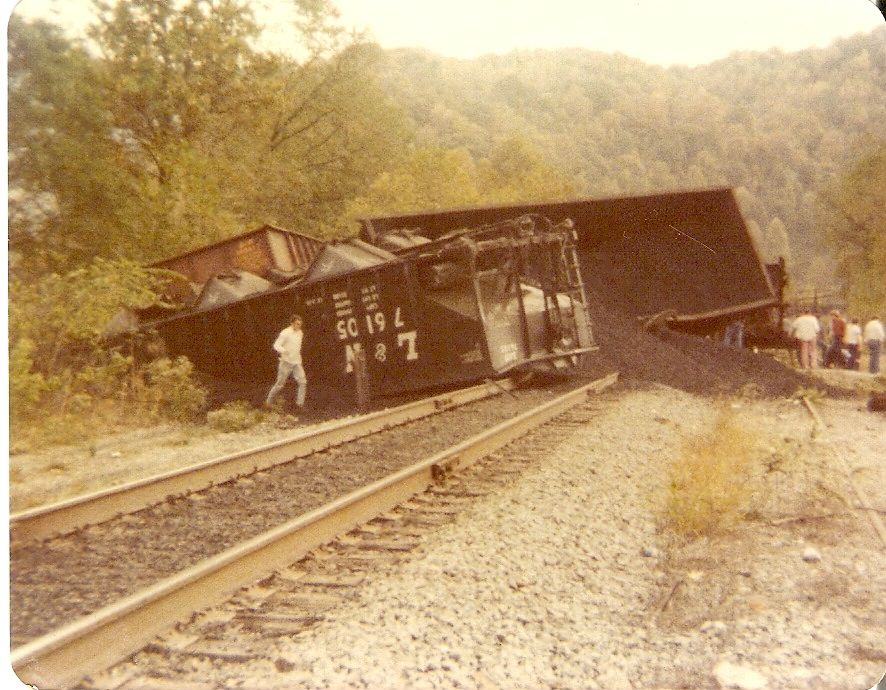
x: 328, y: 132
x: 66, y: 197
x: 64, y: 379
x: 777, y: 242
x: 429, y: 178
x: 230, y: 136
x: 179, y: 132
x: 179, y: 81
x: 779, y: 125
x: 64, y: 316
x: 517, y: 171
x: 436, y: 178
x: 857, y: 232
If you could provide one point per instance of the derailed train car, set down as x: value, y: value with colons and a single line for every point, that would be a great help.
x: 687, y: 255
x: 467, y: 305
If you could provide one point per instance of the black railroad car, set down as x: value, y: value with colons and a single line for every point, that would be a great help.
x: 688, y: 253
x: 472, y: 304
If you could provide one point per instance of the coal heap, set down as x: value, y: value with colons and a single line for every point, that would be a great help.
x: 697, y: 365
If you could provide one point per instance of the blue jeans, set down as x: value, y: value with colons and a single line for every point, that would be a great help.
x: 284, y: 371
x: 874, y: 347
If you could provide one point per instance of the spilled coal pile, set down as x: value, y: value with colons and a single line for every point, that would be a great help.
x: 686, y: 362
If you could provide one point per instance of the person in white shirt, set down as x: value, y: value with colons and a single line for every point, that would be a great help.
x: 288, y: 346
x: 852, y: 343
x: 874, y: 335
x: 806, y: 328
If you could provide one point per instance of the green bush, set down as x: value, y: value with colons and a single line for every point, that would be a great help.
x: 63, y: 373
x: 26, y: 387
x: 234, y: 416
x: 711, y: 480
x: 172, y: 390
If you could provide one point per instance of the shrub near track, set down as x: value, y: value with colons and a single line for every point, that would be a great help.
x: 712, y: 478
x: 67, y: 381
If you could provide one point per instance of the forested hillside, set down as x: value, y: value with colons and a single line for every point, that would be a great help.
x: 173, y: 131
x: 780, y: 127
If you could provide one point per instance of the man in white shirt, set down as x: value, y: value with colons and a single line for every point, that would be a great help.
x: 852, y: 343
x: 288, y: 346
x: 874, y: 335
x: 806, y: 329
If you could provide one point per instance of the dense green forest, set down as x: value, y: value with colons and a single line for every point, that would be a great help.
x: 781, y: 128
x: 167, y: 128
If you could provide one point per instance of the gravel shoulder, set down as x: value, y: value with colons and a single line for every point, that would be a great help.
x: 570, y: 578
x: 60, y: 472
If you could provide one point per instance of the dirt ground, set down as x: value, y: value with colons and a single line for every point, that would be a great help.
x: 805, y: 565
x: 61, y: 472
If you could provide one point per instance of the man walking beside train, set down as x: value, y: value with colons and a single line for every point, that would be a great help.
x: 288, y: 346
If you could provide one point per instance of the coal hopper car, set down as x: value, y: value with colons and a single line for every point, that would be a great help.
x: 686, y: 254
x: 471, y: 304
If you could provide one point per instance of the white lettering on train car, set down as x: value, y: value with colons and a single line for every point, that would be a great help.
x: 350, y: 350
x: 409, y: 339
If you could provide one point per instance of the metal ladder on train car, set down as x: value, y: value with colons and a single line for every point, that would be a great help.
x: 576, y: 288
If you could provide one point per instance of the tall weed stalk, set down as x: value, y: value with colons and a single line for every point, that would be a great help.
x: 712, y: 478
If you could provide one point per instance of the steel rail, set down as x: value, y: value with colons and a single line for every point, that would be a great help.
x: 60, y: 658
x: 862, y: 497
x: 88, y: 509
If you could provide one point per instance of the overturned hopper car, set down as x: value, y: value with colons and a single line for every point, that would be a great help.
x: 685, y: 255
x: 468, y: 305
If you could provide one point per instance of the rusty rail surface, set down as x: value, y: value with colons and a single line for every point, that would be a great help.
x: 74, y: 513
x: 62, y: 657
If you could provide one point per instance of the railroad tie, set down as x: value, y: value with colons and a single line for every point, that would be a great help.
x: 275, y: 624
x: 253, y: 596
x: 434, y: 510
x: 378, y: 544
x: 388, y: 517
x: 310, y: 602
x: 152, y: 683
x: 454, y: 493
x: 202, y: 651
x: 334, y: 582
x: 290, y: 575
x: 372, y: 528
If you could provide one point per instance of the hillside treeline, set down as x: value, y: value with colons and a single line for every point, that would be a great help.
x: 782, y: 128
x: 167, y: 128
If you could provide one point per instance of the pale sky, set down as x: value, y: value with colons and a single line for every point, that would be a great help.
x: 657, y: 31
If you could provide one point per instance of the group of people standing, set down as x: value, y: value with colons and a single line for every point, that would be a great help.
x: 847, y: 339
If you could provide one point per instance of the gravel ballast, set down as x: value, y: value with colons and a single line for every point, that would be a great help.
x: 56, y: 581
x: 568, y: 578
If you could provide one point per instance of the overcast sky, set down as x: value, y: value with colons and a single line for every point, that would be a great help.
x: 660, y: 31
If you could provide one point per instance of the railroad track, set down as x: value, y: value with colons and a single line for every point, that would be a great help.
x: 89, y: 509
x: 62, y: 657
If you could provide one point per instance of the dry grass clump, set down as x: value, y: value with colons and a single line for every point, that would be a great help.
x: 712, y: 478
x: 234, y: 416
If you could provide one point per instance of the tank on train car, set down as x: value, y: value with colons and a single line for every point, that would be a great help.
x: 471, y: 304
